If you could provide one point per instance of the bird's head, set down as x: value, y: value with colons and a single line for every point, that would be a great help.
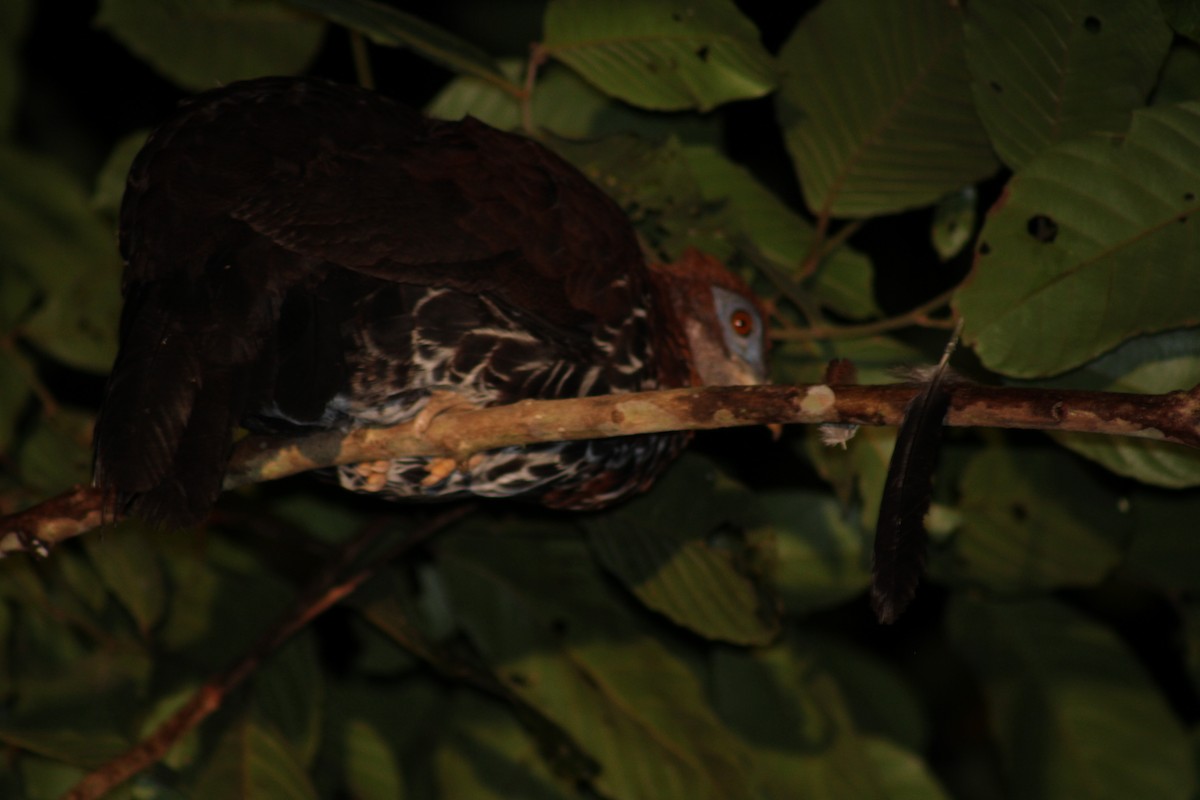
x: 724, y: 325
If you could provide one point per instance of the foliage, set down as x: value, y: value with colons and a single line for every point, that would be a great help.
x: 1031, y: 162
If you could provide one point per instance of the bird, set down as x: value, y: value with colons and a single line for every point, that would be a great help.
x: 302, y: 255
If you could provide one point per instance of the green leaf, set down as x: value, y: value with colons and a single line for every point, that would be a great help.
x: 1018, y: 536
x: 54, y: 455
x: 110, y: 183
x: 1092, y: 243
x: 663, y: 54
x: 791, y: 711
x: 876, y: 107
x: 185, y: 751
x: 1075, y: 714
x: 843, y: 283
x: 877, y: 698
x: 821, y: 557
x: 654, y: 183
x: 131, y: 571
x: 49, y: 234
x: 671, y: 549
x: 564, y: 104
x: 535, y: 604
x: 1049, y: 70
x: 485, y: 755
x: 202, y: 44
x: 372, y: 772
x: 389, y: 27
x: 954, y: 222
x: 289, y: 692
x: 15, y: 392
x: 1148, y: 364
x: 252, y: 761
x: 1183, y: 16
x: 1179, y: 80
x: 903, y: 773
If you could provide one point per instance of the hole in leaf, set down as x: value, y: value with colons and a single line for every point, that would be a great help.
x: 1092, y: 24
x: 1189, y: 197
x: 1019, y: 512
x: 1042, y: 228
x: 702, y: 53
x: 984, y: 248
x: 995, y: 86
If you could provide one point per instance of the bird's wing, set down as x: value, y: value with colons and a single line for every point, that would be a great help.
x: 255, y: 223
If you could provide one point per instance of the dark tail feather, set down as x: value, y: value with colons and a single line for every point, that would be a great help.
x: 900, y: 535
x: 164, y: 433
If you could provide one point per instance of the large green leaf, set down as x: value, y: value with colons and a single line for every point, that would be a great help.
x: 1165, y: 362
x: 253, y: 762
x: 131, y: 571
x: 372, y: 772
x: 545, y: 617
x: 792, y: 712
x: 485, y: 755
x: 1048, y: 70
x: 820, y: 552
x: 1076, y: 715
x: 1018, y: 536
x: 201, y: 44
x: 661, y: 54
x: 1092, y: 243
x: 667, y: 548
x: 843, y: 282
x: 387, y: 26
x: 289, y: 691
x: 564, y: 104
x: 876, y: 107
x: 48, y: 233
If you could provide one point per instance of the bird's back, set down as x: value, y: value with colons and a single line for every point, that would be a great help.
x: 302, y: 254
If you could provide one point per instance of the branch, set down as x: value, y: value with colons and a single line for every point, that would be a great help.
x: 457, y: 433
x: 327, y: 589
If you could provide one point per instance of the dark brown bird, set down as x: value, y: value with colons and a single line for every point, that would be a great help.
x: 304, y: 255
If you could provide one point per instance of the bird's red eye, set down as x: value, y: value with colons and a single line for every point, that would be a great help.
x: 742, y: 322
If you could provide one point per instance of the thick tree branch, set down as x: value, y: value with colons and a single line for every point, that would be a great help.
x: 458, y: 433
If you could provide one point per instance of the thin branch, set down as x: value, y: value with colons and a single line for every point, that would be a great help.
x: 325, y: 590
x: 458, y: 434
x: 362, y: 60
x: 920, y: 315
x: 537, y: 57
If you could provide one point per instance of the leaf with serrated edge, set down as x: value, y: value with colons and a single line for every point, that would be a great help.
x: 1093, y: 242
x: 1015, y: 536
x: 200, y: 44
x: 876, y: 107
x: 1045, y: 71
x: 253, y: 762
x: 389, y: 27
x: 545, y: 617
x: 662, y: 54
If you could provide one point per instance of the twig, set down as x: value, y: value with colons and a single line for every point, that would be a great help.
x: 458, y: 434
x: 920, y: 315
x: 322, y: 593
x: 362, y: 60
x: 537, y: 57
